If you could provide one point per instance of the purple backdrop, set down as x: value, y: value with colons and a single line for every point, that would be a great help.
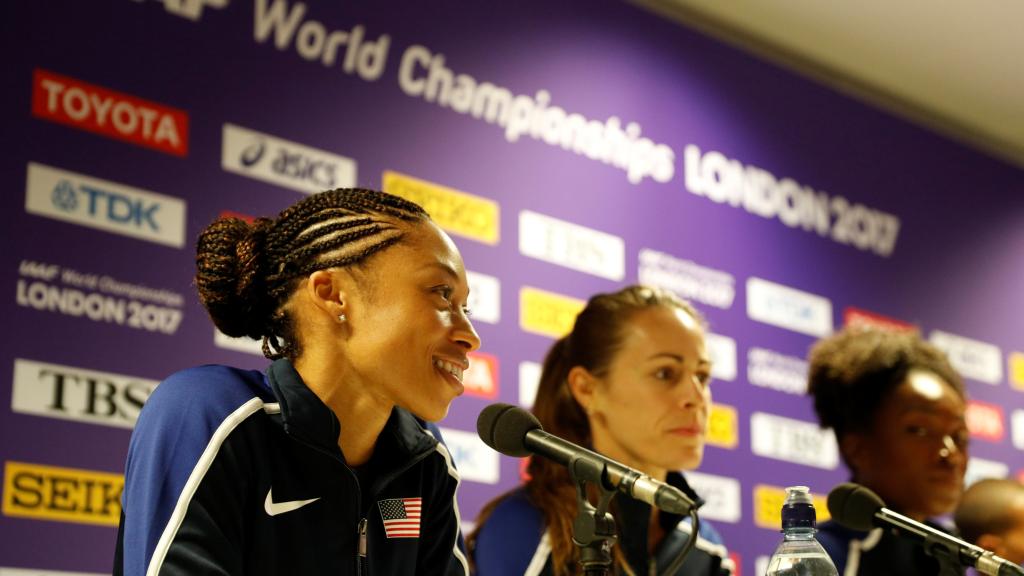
x: 73, y: 202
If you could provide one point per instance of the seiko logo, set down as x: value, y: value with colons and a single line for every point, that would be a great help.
x: 62, y: 494
x: 456, y: 211
x: 114, y: 114
x: 109, y: 206
x: 283, y: 162
x: 70, y: 393
x: 547, y: 313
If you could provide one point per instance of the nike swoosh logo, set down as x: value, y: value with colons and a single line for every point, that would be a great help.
x: 275, y: 508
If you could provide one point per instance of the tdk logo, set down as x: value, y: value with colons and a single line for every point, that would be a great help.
x: 284, y: 163
x: 65, y: 197
x: 108, y: 206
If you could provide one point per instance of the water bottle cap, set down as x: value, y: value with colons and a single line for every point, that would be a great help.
x: 798, y: 510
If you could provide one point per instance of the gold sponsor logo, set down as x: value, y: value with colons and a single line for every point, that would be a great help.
x: 723, y: 427
x: 62, y: 494
x: 547, y: 313
x: 455, y: 211
x: 1015, y: 364
x: 768, y: 501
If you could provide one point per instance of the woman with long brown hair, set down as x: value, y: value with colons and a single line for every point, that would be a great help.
x: 631, y: 381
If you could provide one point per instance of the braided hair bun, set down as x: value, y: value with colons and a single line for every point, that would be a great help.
x: 229, y: 276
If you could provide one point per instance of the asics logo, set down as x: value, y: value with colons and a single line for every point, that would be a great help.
x: 274, y: 508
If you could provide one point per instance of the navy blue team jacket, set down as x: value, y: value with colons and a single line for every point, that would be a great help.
x: 513, y: 541
x: 880, y: 552
x: 237, y: 472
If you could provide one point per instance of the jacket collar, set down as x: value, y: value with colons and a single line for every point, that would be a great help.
x: 636, y: 516
x: 306, y: 417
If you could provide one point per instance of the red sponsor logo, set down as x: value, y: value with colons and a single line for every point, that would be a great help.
x: 985, y: 421
x: 524, y: 469
x: 735, y: 557
x: 482, y: 377
x: 864, y: 319
x: 113, y: 114
x: 239, y: 215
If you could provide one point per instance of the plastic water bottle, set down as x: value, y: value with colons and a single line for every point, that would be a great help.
x: 799, y: 554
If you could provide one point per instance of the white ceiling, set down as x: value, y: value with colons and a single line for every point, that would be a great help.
x: 955, y: 66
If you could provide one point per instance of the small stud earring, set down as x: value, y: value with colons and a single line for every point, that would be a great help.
x: 341, y: 318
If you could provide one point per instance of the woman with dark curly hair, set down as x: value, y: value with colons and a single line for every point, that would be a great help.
x: 324, y: 464
x: 633, y: 382
x: 897, y: 408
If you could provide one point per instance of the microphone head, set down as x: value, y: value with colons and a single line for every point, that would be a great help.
x: 503, y: 427
x: 854, y: 506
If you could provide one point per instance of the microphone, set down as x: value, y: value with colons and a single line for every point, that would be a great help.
x: 858, y: 508
x: 515, y: 432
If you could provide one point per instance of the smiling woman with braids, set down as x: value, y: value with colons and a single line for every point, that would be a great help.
x: 631, y: 381
x: 324, y: 464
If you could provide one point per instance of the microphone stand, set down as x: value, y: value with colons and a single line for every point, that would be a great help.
x: 948, y: 559
x: 593, y: 531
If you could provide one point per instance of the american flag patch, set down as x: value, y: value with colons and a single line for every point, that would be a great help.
x: 401, y: 517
